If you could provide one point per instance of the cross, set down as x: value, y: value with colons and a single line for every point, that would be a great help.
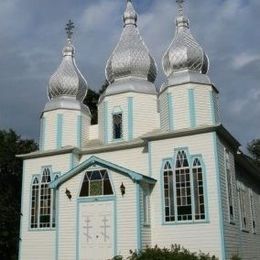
x: 69, y: 28
x: 87, y: 227
x: 105, y: 227
x: 181, y: 6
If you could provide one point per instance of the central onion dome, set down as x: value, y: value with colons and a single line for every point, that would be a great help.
x: 184, y: 53
x: 67, y: 81
x: 131, y: 57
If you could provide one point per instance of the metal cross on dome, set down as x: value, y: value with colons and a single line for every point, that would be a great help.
x: 69, y: 28
x: 181, y: 6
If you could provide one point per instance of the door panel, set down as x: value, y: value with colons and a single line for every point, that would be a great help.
x: 96, y: 230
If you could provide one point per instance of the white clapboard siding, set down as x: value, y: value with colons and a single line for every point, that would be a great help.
x: 144, y: 114
x: 38, y: 245
x: 186, y: 234
x: 164, y: 111
x: 244, y: 243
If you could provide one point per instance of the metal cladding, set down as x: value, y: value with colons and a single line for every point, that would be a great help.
x: 67, y: 80
x: 131, y: 57
x: 184, y: 53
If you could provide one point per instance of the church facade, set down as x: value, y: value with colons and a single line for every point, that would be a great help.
x: 159, y: 168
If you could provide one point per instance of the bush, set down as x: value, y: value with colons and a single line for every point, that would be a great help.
x: 236, y: 257
x: 176, y: 252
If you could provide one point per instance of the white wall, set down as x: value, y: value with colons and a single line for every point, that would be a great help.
x: 206, y: 236
x: 40, y: 244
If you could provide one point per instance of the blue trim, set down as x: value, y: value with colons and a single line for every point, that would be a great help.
x: 218, y: 182
x: 172, y: 162
x: 93, y: 160
x: 79, y: 130
x: 105, y: 122
x: 97, y: 199
x: 192, y: 108
x: 170, y: 111
x: 57, y: 222
x: 42, y: 134
x: 59, y: 130
x: 162, y: 188
x: 150, y: 159
x: 205, y: 184
x: 138, y: 218
x: 21, y: 218
x: 212, y: 106
x: 130, y: 118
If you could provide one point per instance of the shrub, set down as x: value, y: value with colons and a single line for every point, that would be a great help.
x: 176, y: 252
x: 235, y: 257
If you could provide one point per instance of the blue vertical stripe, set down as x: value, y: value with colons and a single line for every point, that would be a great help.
x: 23, y: 214
x: 192, y: 108
x: 221, y: 216
x: 59, y: 130
x: 130, y: 118
x: 212, y: 106
x: 138, y: 218
x: 105, y: 115
x: 57, y: 223
x: 42, y: 134
x: 79, y: 131
x: 170, y: 110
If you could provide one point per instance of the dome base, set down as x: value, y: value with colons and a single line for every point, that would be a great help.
x: 65, y: 102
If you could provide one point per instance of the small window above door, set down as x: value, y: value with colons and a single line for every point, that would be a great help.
x: 96, y: 183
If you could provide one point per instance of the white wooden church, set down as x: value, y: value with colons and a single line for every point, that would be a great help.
x: 159, y: 168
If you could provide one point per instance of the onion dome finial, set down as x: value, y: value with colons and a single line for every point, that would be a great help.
x: 67, y: 80
x: 131, y: 57
x: 184, y: 53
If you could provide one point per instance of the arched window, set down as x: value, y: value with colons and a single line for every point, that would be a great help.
x: 35, y: 202
x: 168, y: 192
x: 45, y: 199
x: 183, y: 187
x: 96, y: 183
x: 198, y: 189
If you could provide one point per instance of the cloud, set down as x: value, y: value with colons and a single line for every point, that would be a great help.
x: 32, y: 37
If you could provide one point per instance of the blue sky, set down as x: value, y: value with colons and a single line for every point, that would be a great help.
x: 32, y: 37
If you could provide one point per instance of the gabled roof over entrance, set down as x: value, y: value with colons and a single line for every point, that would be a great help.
x: 93, y: 160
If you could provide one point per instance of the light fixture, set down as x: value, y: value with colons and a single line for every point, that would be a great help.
x: 68, y: 193
x: 122, y: 188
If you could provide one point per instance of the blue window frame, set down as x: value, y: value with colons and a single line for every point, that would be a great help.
x: 183, y: 188
x: 42, y: 201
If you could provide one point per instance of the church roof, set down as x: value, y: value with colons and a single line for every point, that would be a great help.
x: 131, y: 57
x: 93, y: 160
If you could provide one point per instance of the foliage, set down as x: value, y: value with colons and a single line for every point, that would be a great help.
x: 254, y: 150
x: 176, y: 252
x: 91, y: 101
x: 10, y: 190
x: 235, y: 257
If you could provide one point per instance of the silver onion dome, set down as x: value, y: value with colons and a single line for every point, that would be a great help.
x: 67, y: 80
x: 131, y: 57
x: 184, y: 53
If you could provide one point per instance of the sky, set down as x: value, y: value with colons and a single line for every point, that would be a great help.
x: 32, y: 37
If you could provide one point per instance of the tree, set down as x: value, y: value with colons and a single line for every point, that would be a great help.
x: 254, y: 150
x: 10, y: 190
x: 91, y: 101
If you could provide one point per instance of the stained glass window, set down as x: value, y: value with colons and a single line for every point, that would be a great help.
x: 43, y: 202
x: 96, y: 183
x: 183, y: 189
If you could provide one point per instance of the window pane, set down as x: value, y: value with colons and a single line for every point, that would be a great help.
x: 117, y: 126
x: 96, y: 188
